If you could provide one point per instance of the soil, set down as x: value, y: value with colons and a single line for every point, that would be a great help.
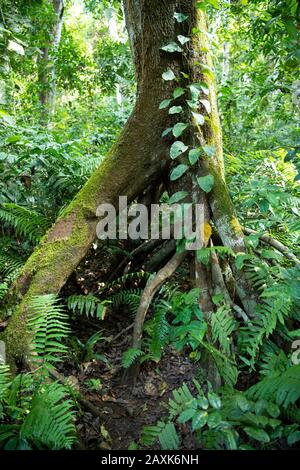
x: 124, y: 410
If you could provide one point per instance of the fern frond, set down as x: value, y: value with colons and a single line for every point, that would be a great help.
x: 4, y: 380
x: 168, y: 437
x: 25, y: 222
x: 88, y: 304
x: 129, y: 297
x: 130, y: 356
x: 283, y: 388
x: 48, y: 324
x: 160, y: 328
x: 223, y: 325
x: 51, y: 419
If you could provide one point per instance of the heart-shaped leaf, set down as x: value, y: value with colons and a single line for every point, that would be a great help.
x: 175, y: 110
x: 199, y: 118
x: 206, y: 183
x: 183, y: 39
x: 179, y: 128
x: 194, y: 155
x: 168, y: 75
x: 178, y: 92
x: 206, y: 105
x: 172, y: 47
x: 186, y: 415
x: 199, y: 420
x: 178, y: 171
x: 164, y: 104
x: 176, y: 197
x: 180, y: 17
x: 177, y: 149
x: 210, y: 150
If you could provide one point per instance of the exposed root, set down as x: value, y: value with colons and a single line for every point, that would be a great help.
x: 274, y: 243
x: 152, y: 286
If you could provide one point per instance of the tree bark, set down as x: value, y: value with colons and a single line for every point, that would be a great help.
x: 47, y: 63
x: 137, y: 160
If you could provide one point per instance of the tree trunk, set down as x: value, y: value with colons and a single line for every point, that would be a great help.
x: 137, y: 159
x: 47, y: 63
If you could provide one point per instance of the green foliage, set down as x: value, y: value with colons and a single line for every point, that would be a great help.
x: 281, y: 387
x: 48, y: 325
x: 25, y: 222
x: 89, y: 304
x: 130, y: 357
x: 40, y: 414
x: 35, y: 412
x: 223, y: 325
x: 228, y: 419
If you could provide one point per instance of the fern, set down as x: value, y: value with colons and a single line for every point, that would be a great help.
x: 129, y: 297
x: 51, y: 419
x: 47, y: 323
x: 182, y: 398
x: 168, y: 437
x: 226, y: 366
x: 131, y: 356
x: 88, y: 304
x: 284, y: 387
x: 4, y: 381
x: 279, y: 298
x: 160, y: 328
x: 165, y: 433
x: 223, y: 325
x: 25, y: 222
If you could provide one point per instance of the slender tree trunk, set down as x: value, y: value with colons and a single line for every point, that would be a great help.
x: 137, y: 160
x: 47, y: 63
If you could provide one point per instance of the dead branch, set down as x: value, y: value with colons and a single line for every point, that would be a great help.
x: 274, y: 243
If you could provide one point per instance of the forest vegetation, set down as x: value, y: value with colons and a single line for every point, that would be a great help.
x: 143, y: 343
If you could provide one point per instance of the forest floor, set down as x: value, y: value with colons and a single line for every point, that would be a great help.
x: 123, y: 410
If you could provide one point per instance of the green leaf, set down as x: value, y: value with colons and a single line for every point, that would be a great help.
x: 206, y: 183
x: 204, y: 88
x: 202, y: 5
x: 203, y: 255
x: 214, y: 419
x: 194, y: 155
x: 183, y: 39
x: 177, y: 149
x: 180, y: 17
x: 164, y: 104
x: 178, y: 171
x: 168, y: 75
x: 176, y: 197
x: 214, y: 400
x: 210, y: 150
x: 175, y: 110
x: 206, y: 105
x: 166, y: 131
x: 199, y: 118
x: 179, y: 128
x: 257, y: 434
x: 186, y: 415
x: 172, y: 47
x: 199, y: 420
x: 207, y: 71
x: 195, y: 92
x: 178, y: 92
x: 240, y: 259
x: 202, y: 402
